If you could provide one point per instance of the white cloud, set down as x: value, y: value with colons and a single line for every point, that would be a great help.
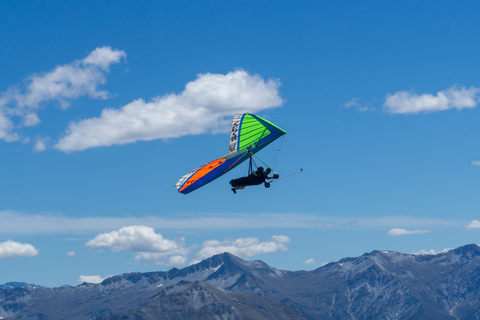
x: 309, y: 261
x: 243, y: 247
x: 430, y: 252
x: 90, y: 279
x: 62, y: 84
x: 160, y: 258
x: 143, y: 240
x: 71, y: 81
x: 40, y: 144
x: 176, y: 261
x: 11, y: 249
x: 103, y: 57
x: 133, y: 238
x: 404, y: 102
x: 423, y: 251
x: 395, y: 232
x: 71, y: 253
x: 475, y: 224
x: 475, y: 163
x: 200, y: 108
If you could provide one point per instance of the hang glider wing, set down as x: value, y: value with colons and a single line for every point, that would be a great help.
x: 249, y: 133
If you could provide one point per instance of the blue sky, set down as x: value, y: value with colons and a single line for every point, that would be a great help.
x: 105, y: 105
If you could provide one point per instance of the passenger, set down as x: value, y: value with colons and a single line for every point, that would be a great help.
x: 258, y: 177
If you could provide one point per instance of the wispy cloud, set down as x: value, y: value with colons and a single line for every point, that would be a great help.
x: 6, y: 127
x: 11, y: 249
x: 396, y: 232
x: 62, y: 84
x: 355, y: 104
x: 309, y: 261
x: 200, y: 108
x: 327, y: 226
x: 17, y: 222
x: 71, y: 253
x: 404, y: 102
x: 475, y: 163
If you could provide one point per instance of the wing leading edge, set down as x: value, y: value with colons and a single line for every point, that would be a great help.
x: 249, y: 132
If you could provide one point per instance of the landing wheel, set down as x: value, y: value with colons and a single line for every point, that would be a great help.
x: 276, y: 176
x: 267, y: 184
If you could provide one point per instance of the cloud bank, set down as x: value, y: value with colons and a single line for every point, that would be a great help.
x: 11, y: 249
x: 396, y: 232
x: 404, y: 102
x: 154, y: 248
x: 200, y: 108
x: 62, y: 84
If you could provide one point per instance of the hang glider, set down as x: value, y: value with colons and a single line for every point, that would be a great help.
x: 250, y: 134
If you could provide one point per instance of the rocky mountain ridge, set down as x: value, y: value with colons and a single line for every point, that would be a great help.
x: 376, y: 285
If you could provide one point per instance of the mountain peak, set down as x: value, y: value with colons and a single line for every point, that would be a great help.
x: 224, y: 257
x: 14, y: 285
x: 469, y: 249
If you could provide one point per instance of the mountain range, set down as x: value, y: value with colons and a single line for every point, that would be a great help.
x: 376, y: 285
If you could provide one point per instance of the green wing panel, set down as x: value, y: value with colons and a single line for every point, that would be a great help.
x: 251, y: 131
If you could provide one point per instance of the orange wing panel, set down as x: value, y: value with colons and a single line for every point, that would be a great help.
x: 202, y: 172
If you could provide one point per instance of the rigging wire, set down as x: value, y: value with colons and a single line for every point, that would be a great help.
x: 263, y: 162
x: 289, y: 175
